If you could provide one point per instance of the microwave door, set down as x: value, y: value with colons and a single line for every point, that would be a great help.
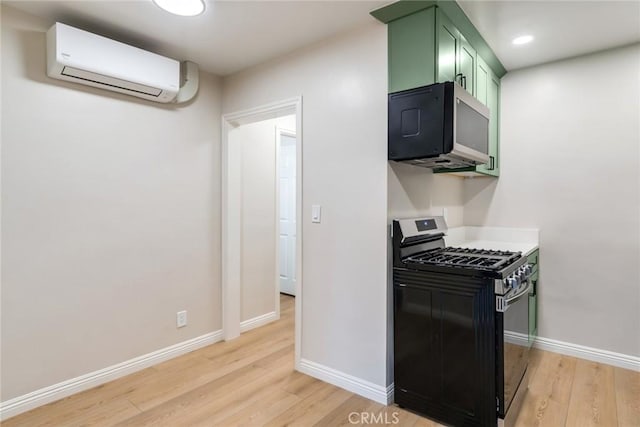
x: 470, y: 127
x: 416, y: 123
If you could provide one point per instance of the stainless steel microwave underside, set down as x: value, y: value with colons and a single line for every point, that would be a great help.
x: 444, y: 161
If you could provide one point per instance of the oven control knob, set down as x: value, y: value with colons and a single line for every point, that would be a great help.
x: 515, y: 282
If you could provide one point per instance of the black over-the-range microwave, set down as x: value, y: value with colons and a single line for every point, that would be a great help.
x: 438, y: 126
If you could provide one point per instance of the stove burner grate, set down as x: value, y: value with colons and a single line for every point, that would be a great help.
x: 465, y: 258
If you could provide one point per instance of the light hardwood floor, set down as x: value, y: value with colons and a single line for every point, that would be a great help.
x: 251, y: 381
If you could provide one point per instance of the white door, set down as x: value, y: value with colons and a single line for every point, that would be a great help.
x: 287, y: 141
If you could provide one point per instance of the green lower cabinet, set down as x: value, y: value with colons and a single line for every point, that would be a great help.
x: 533, y: 312
x: 534, y: 261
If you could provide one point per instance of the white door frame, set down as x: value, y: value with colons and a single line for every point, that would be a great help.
x: 231, y: 219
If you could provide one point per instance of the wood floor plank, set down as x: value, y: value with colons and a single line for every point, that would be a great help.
x: 554, y: 377
x: 540, y: 411
x: 393, y: 415
x: 98, y: 413
x: 262, y: 409
x: 302, y: 385
x: 425, y: 422
x: 237, y: 401
x: 627, y: 385
x: 593, y: 400
x: 311, y: 409
x: 182, y: 379
x: 82, y: 403
x: 352, y: 409
x: 550, y: 385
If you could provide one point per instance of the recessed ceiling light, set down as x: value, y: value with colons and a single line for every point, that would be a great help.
x: 181, y: 7
x: 522, y: 39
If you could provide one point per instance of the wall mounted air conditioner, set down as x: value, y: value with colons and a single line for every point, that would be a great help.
x: 82, y: 57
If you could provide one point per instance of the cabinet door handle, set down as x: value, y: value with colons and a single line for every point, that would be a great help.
x: 492, y: 163
x: 459, y: 75
x: 464, y: 81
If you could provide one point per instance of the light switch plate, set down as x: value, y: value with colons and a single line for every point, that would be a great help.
x: 316, y: 211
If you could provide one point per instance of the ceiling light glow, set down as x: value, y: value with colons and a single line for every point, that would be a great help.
x: 522, y: 39
x: 181, y: 7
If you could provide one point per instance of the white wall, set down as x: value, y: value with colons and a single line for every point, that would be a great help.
x: 570, y: 166
x: 110, y: 219
x: 343, y: 83
x: 415, y: 191
x: 257, y: 142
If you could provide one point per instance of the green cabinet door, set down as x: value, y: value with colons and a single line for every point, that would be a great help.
x: 456, y: 57
x: 448, y: 46
x: 467, y: 65
x: 412, y: 47
x: 493, y: 102
x: 482, y: 80
x: 492, y: 96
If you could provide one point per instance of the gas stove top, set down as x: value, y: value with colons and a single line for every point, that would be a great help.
x: 418, y: 243
x: 479, y: 259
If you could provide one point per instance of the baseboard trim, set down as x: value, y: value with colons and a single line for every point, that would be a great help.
x: 589, y: 353
x: 258, y: 321
x: 66, y: 388
x: 390, y: 393
x: 348, y: 382
x: 516, y: 338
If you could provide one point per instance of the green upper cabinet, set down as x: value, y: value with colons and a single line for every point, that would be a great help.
x: 434, y: 41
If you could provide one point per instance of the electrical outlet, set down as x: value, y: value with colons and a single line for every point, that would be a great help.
x: 181, y: 319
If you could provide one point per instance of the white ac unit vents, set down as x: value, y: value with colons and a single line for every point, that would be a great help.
x: 82, y: 57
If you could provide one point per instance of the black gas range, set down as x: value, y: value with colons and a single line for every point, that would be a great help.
x: 461, y: 325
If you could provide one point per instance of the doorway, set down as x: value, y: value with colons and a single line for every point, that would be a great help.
x: 286, y: 145
x: 280, y: 261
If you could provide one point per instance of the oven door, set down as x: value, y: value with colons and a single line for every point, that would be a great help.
x: 513, y: 347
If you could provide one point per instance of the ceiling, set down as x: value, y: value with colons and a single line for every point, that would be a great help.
x: 232, y: 35
x: 561, y: 29
x: 229, y: 36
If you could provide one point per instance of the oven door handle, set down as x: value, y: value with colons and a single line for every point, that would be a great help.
x: 504, y: 302
x: 519, y: 294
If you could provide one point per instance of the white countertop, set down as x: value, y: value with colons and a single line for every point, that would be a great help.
x: 523, y: 240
